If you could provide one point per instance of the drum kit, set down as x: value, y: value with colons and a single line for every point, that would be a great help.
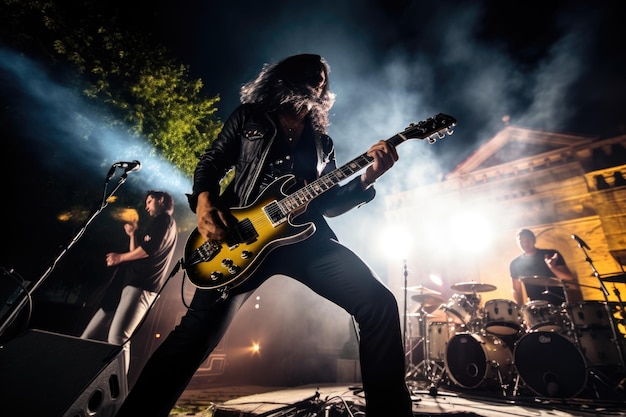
x: 540, y: 348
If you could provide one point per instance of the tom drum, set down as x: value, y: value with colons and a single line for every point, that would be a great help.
x: 539, y: 315
x: 459, y: 309
x: 502, y: 317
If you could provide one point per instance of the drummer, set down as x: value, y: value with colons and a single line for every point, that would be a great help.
x: 541, y: 263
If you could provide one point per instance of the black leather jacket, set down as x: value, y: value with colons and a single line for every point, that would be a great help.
x: 244, y: 143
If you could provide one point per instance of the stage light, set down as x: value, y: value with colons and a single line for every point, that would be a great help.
x: 436, y: 279
x: 472, y: 231
x: 396, y: 242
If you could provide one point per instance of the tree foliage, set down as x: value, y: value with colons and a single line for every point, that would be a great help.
x: 146, y: 91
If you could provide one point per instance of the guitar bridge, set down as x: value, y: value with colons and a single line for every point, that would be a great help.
x: 204, y: 253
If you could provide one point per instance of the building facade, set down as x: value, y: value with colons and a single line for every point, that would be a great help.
x: 557, y: 185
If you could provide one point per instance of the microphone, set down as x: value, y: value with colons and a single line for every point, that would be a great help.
x: 128, y: 166
x: 581, y: 242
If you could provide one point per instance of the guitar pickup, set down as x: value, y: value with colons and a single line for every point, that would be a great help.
x: 274, y: 213
x: 244, y: 232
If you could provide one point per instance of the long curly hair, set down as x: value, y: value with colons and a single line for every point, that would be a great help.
x: 290, y: 84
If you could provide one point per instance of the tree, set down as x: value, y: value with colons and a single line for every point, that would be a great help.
x: 146, y: 90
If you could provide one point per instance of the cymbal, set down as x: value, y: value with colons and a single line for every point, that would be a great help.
x: 426, y: 298
x: 470, y: 287
x: 428, y: 302
x: 545, y: 281
x: 421, y: 289
x: 614, y: 278
x: 433, y: 315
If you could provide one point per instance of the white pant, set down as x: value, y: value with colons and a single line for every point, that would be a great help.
x: 122, y: 322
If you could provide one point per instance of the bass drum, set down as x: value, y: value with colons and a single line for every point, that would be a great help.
x: 473, y: 360
x: 550, y: 364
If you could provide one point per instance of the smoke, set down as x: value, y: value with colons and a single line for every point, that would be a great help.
x: 391, y: 67
x: 392, y: 63
x: 402, y: 62
x: 68, y: 137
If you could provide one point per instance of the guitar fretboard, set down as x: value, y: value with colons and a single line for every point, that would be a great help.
x: 278, y: 211
x: 303, y: 196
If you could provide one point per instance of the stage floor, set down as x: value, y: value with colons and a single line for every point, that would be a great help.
x: 338, y: 400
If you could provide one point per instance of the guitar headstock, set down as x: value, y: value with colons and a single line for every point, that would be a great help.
x: 432, y: 129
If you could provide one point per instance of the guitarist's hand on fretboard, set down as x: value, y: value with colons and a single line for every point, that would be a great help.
x: 383, y: 155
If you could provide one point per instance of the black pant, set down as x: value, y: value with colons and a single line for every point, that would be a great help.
x: 332, y: 271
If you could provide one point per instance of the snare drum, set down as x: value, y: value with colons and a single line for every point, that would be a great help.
x: 502, y: 317
x: 539, y: 315
x: 459, y: 309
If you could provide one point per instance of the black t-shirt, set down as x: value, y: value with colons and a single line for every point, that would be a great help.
x: 299, y: 159
x: 535, y: 265
x: 159, y: 242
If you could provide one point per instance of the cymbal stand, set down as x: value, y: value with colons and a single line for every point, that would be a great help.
x: 413, y: 370
x: 407, y: 343
x: 474, y: 323
x: 605, y: 292
x: 428, y: 369
x: 25, y: 296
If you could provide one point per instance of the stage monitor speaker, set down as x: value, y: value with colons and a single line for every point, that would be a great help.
x: 49, y: 374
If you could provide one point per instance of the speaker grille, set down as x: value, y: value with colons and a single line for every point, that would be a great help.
x: 58, y: 375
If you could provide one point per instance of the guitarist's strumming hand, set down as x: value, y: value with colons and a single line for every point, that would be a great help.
x: 385, y: 155
x: 212, y: 222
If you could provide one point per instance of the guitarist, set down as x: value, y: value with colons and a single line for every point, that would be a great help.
x: 279, y: 129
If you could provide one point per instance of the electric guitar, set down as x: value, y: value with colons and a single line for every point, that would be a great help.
x: 267, y: 223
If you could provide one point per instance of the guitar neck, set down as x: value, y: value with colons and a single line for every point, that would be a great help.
x: 429, y: 129
x: 304, y: 195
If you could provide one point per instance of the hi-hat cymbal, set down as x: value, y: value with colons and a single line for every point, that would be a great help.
x: 427, y: 302
x: 426, y: 298
x: 435, y: 315
x: 422, y: 290
x: 471, y: 287
x: 614, y: 278
x: 545, y: 281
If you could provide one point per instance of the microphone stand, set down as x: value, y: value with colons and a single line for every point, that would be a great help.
x: 26, y: 291
x: 406, y: 311
x: 605, y: 292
